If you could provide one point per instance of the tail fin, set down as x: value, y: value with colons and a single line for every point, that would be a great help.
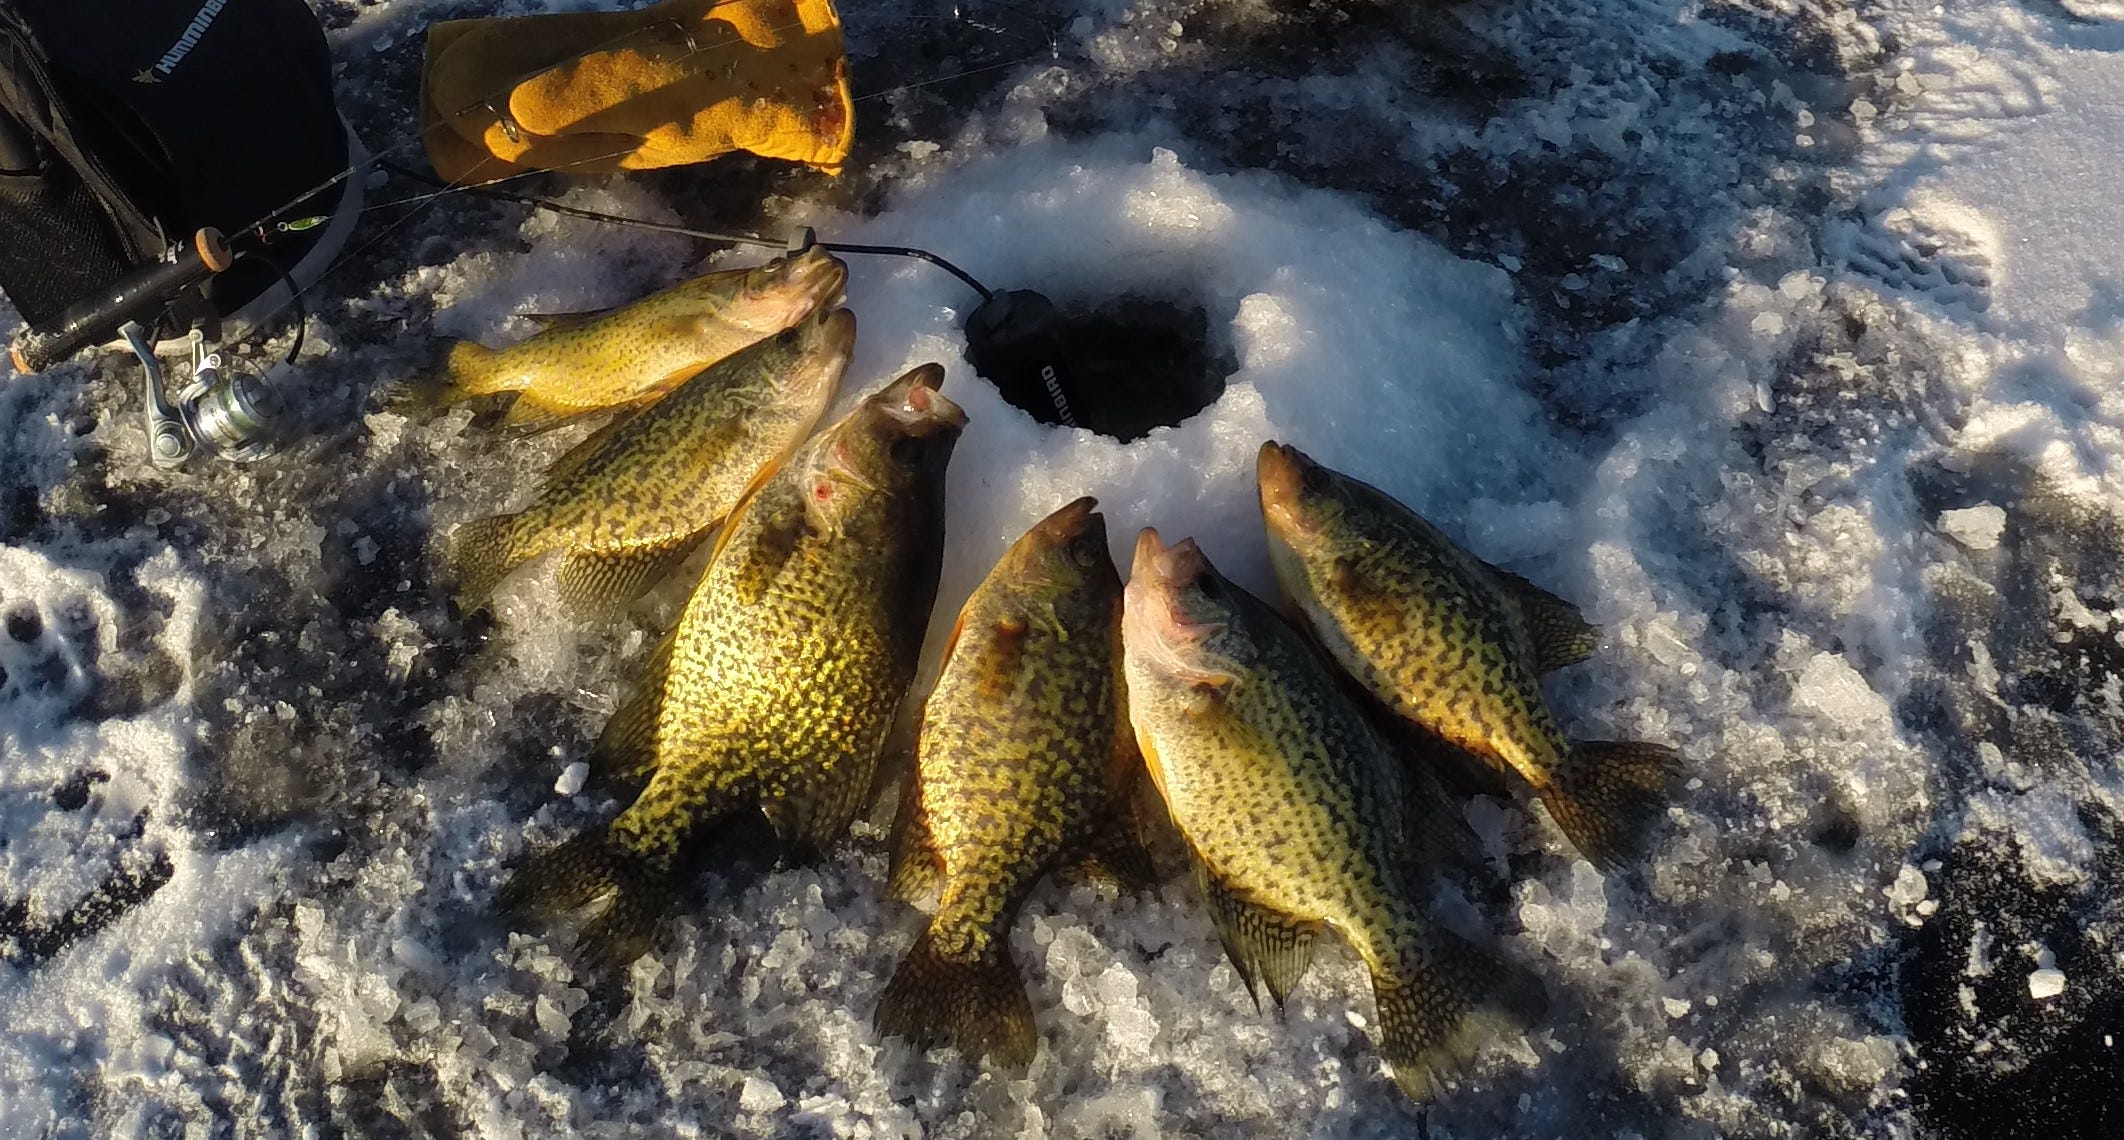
x: 584, y: 870
x: 1436, y: 1016
x: 978, y: 1005
x: 458, y: 374
x: 482, y: 553
x: 1608, y: 794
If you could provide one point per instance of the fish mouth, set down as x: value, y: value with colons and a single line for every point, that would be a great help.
x: 1070, y: 533
x: 795, y: 287
x: 1070, y: 521
x: 920, y: 401
x: 837, y: 333
x: 1174, y: 567
x: 827, y: 340
x: 1157, y: 582
x: 1280, y: 472
x: 1148, y: 549
x: 819, y: 275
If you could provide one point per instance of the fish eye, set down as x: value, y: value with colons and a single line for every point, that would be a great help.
x: 907, y: 450
x: 1317, y: 479
x: 1086, y: 552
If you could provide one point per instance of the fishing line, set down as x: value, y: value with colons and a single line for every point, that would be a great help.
x: 420, y: 205
x: 486, y: 190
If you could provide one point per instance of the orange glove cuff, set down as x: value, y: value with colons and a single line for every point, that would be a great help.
x: 678, y: 82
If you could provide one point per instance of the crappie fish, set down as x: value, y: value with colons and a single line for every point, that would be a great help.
x: 783, y: 676
x: 630, y: 355
x: 1297, y: 815
x: 1454, y: 646
x: 1023, y: 763
x: 632, y: 501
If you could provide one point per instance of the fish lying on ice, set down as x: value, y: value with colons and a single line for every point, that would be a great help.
x: 1023, y: 763
x: 1454, y: 646
x: 1298, y: 817
x: 783, y: 677
x: 631, y: 355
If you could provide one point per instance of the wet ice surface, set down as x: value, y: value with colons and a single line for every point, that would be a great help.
x: 1744, y: 326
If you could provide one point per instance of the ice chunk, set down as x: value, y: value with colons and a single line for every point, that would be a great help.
x: 2046, y: 981
x: 1977, y: 528
x: 1829, y: 687
x: 760, y: 1095
x: 572, y: 778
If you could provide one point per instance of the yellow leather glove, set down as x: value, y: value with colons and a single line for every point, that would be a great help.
x: 677, y: 82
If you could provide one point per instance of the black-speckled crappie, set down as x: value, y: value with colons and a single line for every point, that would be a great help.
x: 1297, y: 815
x: 1454, y: 646
x: 633, y: 354
x: 1024, y: 762
x: 782, y: 679
x: 631, y: 501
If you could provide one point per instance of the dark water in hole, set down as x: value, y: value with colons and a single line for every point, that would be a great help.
x: 1133, y: 364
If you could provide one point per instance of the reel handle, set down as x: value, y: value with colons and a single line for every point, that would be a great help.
x: 136, y: 296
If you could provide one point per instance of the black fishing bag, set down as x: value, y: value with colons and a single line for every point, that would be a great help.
x: 128, y: 125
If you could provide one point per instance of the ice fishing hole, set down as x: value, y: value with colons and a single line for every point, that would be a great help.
x: 1126, y: 364
x: 24, y: 625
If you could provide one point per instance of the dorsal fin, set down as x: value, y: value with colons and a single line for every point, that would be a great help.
x: 1561, y: 635
x: 562, y: 322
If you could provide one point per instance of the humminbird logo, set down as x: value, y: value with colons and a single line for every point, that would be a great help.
x: 185, y: 43
x: 1054, y: 392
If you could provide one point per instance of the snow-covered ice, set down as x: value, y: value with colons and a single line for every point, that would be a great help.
x: 1786, y: 339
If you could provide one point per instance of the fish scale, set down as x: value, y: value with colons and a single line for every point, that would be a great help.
x: 1454, y: 646
x: 1022, y: 763
x: 786, y: 670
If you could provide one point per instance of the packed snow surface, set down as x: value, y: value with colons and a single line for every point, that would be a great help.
x: 1787, y: 340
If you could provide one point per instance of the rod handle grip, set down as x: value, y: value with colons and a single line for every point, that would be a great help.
x: 136, y: 296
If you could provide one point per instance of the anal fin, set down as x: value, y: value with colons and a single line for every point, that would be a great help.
x: 626, y: 749
x: 1114, y: 851
x: 1561, y: 635
x: 917, y: 867
x: 528, y: 415
x: 597, y: 584
x: 1264, y: 946
x: 818, y: 813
